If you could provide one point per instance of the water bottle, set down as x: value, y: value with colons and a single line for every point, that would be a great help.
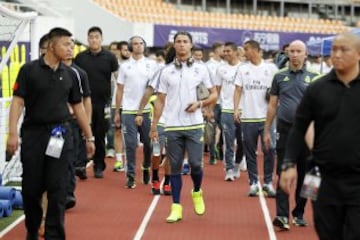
x: 311, y: 184
x: 156, y: 148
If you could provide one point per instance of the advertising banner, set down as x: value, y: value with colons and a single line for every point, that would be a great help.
x: 205, y: 37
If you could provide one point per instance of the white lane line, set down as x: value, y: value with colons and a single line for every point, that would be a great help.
x: 12, y: 225
x: 267, y: 218
x: 147, y: 217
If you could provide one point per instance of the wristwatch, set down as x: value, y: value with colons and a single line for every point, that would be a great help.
x: 286, y: 165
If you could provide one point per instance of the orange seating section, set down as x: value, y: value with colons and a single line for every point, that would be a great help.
x: 159, y: 12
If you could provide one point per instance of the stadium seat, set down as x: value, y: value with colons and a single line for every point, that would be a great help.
x: 161, y: 12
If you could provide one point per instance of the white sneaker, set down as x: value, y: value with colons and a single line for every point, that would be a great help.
x: 254, y: 190
x: 237, y: 170
x: 269, y: 190
x: 229, y: 176
x: 110, y: 153
x: 243, y: 165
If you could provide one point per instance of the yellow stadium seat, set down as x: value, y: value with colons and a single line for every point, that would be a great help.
x: 159, y: 11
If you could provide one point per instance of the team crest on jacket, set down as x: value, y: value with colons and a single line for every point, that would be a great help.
x: 307, y: 79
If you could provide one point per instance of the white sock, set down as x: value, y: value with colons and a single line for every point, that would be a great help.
x: 119, y: 157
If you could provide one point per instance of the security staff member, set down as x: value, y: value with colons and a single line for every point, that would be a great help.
x: 287, y: 89
x: 333, y: 103
x: 183, y: 120
x: 79, y: 157
x: 44, y: 87
x: 99, y: 64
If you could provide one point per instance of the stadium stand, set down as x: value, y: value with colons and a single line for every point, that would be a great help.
x: 160, y: 12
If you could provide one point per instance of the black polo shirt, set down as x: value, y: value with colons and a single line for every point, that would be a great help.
x: 290, y: 86
x: 46, y: 92
x: 83, y: 80
x: 98, y: 67
x: 335, y: 109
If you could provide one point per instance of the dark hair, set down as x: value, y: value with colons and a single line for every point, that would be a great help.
x: 58, y: 32
x: 253, y: 44
x: 168, y: 45
x: 122, y: 43
x: 232, y: 45
x: 114, y: 43
x: 43, y: 40
x: 95, y: 29
x: 285, y: 46
x: 160, y: 53
x: 170, y: 55
x: 183, y: 33
x: 197, y: 49
x: 216, y: 45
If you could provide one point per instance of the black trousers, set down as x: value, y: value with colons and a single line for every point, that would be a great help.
x: 78, y: 157
x: 282, y: 199
x: 99, y: 128
x: 80, y: 160
x: 43, y: 173
x: 337, y: 208
x: 219, y: 146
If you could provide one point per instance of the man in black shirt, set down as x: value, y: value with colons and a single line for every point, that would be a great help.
x: 99, y: 64
x: 45, y: 87
x: 333, y: 103
x: 79, y: 159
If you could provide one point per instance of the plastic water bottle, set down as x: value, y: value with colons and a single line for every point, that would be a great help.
x: 156, y: 148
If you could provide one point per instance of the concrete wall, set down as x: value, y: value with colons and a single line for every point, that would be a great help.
x: 114, y: 28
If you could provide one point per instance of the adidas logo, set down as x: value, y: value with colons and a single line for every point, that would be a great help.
x: 286, y: 79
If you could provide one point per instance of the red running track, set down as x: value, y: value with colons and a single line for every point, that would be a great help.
x: 108, y: 211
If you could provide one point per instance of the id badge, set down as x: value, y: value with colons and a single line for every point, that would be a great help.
x: 310, y: 187
x: 55, y: 146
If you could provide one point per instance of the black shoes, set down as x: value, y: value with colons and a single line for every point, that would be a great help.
x: 146, y: 175
x: 81, y: 173
x: 130, y: 182
x: 299, y: 222
x: 282, y: 223
x: 98, y: 173
x: 70, y: 202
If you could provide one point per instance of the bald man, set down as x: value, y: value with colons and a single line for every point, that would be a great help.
x: 287, y: 89
x: 333, y: 103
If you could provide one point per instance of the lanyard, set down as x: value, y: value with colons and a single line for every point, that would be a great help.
x: 58, y: 131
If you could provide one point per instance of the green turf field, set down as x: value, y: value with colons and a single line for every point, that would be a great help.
x: 6, y: 221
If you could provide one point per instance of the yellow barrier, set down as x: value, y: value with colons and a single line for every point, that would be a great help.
x: 5, y: 82
x: 17, y: 59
